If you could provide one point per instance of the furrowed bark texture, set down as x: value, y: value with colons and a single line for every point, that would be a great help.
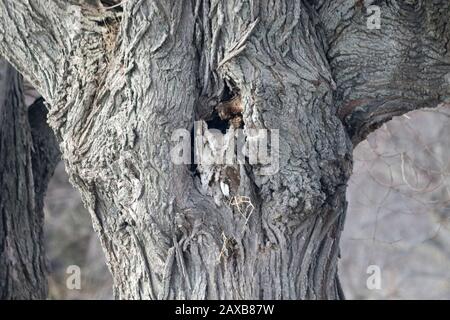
x: 403, y: 66
x: 166, y: 234
x: 28, y: 155
x: 130, y: 76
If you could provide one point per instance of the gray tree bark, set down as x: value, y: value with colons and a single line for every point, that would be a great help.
x: 120, y: 81
x: 28, y: 155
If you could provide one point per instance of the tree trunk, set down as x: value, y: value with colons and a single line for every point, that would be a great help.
x: 28, y: 155
x: 131, y: 76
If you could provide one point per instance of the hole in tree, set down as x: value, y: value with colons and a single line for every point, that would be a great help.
x: 217, y: 123
x: 214, y: 121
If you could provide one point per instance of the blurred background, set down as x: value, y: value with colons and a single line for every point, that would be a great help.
x: 398, y: 218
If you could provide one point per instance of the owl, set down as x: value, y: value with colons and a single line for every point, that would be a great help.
x: 217, y: 167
